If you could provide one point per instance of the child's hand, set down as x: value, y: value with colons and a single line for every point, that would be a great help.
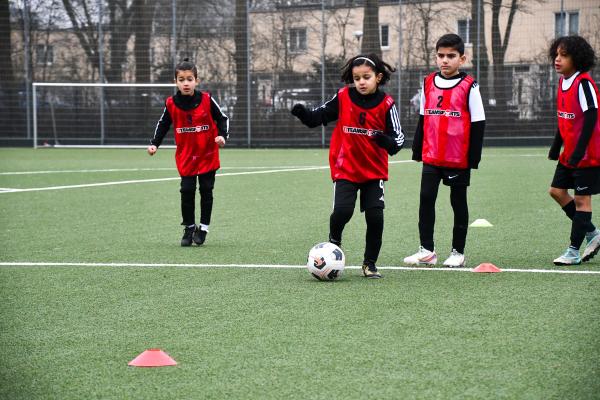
x: 220, y: 140
x: 152, y: 149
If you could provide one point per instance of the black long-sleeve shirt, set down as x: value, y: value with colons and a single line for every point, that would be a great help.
x: 189, y: 103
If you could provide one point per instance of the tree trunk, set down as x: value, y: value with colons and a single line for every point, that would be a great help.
x: 370, y: 41
x: 502, y: 85
x: 8, y: 85
x: 479, y: 47
x: 142, y: 13
x: 241, y: 57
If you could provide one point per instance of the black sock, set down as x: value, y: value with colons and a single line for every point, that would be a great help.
x: 458, y: 200
x: 337, y: 221
x: 374, y: 218
x: 581, y: 222
x: 570, y: 209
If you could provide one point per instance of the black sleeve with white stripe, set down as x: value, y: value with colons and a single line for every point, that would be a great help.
x: 220, y: 119
x: 394, y: 130
x: 162, y: 127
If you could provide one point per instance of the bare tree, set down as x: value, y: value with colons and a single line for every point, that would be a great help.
x: 427, y: 13
x: 370, y: 41
x: 241, y: 56
x: 500, y: 45
x: 7, y: 81
x: 480, y: 54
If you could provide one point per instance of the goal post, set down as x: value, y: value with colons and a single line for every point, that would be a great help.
x: 97, y: 114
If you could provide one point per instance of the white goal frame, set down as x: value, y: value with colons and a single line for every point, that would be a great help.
x: 35, y: 85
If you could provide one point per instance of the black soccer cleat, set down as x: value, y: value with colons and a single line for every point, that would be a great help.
x: 199, y: 236
x: 188, y: 233
x: 370, y: 271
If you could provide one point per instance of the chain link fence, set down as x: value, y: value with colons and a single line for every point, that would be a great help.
x: 258, y: 58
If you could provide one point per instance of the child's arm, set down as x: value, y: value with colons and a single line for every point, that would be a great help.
x: 477, y: 126
x: 417, y: 146
x: 322, y: 115
x: 554, y: 152
x: 162, y: 127
x: 392, y: 139
x: 589, y: 104
x: 222, y: 122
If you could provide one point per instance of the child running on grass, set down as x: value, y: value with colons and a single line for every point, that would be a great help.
x: 367, y: 130
x: 200, y: 128
x: 578, y: 133
x: 448, y: 140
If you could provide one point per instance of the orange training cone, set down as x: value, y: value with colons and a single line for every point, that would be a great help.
x: 152, y: 358
x: 486, y: 267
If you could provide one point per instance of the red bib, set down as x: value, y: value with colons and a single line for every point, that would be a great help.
x: 353, y: 154
x: 195, y: 133
x: 570, y: 123
x: 447, y: 124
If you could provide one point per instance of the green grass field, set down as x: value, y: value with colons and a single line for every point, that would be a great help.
x: 68, y: 329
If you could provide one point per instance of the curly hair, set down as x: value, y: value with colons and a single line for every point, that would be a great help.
x: 371, y: 60
x: 577, y: 48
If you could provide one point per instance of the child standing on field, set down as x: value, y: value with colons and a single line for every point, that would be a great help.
x: 578, y: 133
x: 448, y: 140
x: 367, y: 130
x: 200, y: 128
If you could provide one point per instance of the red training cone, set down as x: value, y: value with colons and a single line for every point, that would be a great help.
x: 486, y: 267
x: 152, y: 358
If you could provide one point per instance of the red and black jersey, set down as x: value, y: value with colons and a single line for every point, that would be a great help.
x: 353, y: 154
x: 570, y: 124
x: 195, y: 133
x: 447, y: 124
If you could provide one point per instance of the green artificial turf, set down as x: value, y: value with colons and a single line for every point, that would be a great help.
x: 68, y: 332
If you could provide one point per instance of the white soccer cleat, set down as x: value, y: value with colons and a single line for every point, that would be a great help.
x: 422, y: 257
x: 592, y: 247
x: 570, y: 257
x: 456, y: 260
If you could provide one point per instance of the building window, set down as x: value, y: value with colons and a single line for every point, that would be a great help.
x: 384, y: 36
x: 464, y: 30
x: 44, y: 55
x: 297, y: 40
x: 565, y: 20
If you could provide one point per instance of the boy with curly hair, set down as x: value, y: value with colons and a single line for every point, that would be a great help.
x: 578, y: 134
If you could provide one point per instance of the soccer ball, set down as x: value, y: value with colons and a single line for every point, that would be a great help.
x: 326, y: 261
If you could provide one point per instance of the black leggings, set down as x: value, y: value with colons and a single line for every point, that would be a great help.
x: 430, y: 184
x: 206, y: 182
x: 374, y: 218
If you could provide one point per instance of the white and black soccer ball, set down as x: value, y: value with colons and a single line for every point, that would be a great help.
x: 326, y: 261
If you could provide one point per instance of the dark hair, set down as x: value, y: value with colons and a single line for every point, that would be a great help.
x: 451, y: 40
x: 373, y: 61
x: 186, y: 65
x: 577, y: 48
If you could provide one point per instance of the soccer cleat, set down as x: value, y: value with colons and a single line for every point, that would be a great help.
x: 422, y: 257
x: 370, y: 271
x: 592, y: 247
x: 199, y: 236
x: 188, y: 233
x: 456, y: 260
x: 570, y: 257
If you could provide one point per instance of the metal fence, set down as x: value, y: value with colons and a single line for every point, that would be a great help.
x: 258, y: 58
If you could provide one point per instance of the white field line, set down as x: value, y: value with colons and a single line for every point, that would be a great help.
x: 85, y: 185
x: 275, y: 266
x: 82, y: 171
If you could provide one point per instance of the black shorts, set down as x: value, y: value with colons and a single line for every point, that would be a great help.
x: 371, y: 194
x: 449, y: 176
x: 585, y: 181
